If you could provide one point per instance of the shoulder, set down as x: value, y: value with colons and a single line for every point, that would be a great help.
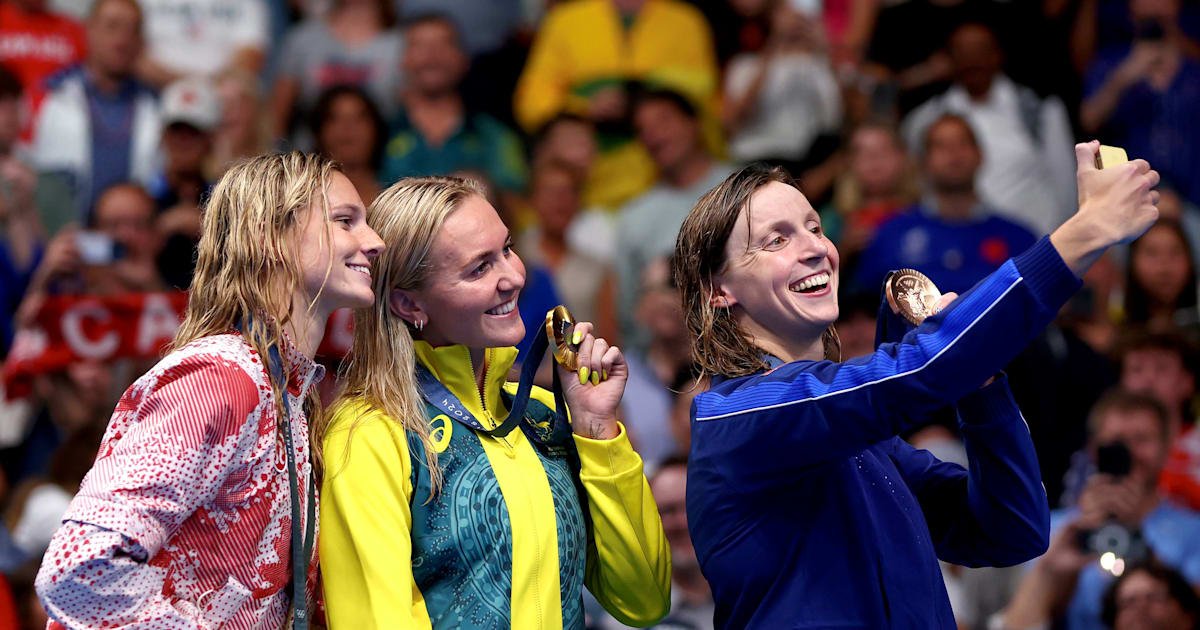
x: 70, y: 77
x: 224, y: 362
x: 357, y: 424
x: 680, y: 11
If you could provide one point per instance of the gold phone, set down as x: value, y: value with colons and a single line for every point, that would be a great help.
x: 1110, y: 156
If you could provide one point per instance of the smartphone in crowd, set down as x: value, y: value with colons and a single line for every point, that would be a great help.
x: 97, y: 248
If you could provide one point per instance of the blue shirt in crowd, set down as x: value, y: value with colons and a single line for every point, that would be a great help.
x: 112, y: 127
x: 806, y: 510
x: 1171, y: 532
x: 954, y: 254
x: 1160, y: 127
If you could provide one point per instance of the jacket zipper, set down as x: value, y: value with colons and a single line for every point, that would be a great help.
x: 537, y: 541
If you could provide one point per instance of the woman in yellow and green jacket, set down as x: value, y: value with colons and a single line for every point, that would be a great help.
x: 436, y: 513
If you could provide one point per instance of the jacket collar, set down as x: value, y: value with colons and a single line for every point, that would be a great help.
x: 452, y: 366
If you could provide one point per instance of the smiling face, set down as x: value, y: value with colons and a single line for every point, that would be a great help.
x: 781, y: 273
x: 470, y: 296
x: 351, y: 246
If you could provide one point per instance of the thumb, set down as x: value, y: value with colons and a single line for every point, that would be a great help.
x: 1085, y: 156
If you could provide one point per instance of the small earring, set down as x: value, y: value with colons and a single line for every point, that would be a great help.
x: 420, y: 325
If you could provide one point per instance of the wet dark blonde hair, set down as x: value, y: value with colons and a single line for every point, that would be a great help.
x: 719, y: 344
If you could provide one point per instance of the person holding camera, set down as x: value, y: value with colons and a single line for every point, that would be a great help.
x: 1120, y: 519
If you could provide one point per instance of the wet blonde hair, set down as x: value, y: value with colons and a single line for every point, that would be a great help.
x: 248, y: 261
x: 719, y: 344
x: 407, y: 216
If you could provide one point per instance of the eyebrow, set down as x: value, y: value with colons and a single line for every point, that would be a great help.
x: 347, y: 206
x: 483, y: 255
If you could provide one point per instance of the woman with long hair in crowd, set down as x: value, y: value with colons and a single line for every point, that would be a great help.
x: 1160, y: 285
x: 195, y: 510
x: 438, y: 509
x: 805, y: 508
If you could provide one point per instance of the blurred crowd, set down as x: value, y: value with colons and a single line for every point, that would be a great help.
x: 931, y: 134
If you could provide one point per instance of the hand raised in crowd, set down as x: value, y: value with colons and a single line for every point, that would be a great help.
x: 594, y: 393
x: 62, y: 255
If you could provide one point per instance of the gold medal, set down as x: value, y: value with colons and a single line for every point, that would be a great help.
x: 559, y: 327
x: 912, y: 294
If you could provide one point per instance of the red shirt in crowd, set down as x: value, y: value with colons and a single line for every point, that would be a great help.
x: 184, y: 520
x: 34, y: 46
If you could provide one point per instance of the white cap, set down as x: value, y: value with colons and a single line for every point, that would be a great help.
x: 193, y: 101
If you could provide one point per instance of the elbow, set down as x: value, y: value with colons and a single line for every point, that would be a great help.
x: 648, y: 612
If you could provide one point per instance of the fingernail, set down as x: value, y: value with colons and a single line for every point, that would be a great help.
x: 595, y: 378
x: 577, y: 337
x: 583, y: 375
x: 605, y: 375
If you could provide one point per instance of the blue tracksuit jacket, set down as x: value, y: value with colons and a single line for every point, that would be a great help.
x: 807, y: 511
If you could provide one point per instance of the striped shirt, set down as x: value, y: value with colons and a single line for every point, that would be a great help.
x: 184, y: 520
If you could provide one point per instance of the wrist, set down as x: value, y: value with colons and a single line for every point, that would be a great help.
x: 596, y: 426
x: 1080, y: 240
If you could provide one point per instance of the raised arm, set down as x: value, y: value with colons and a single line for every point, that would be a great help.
x: 804, y: 414
x: 154, y: 470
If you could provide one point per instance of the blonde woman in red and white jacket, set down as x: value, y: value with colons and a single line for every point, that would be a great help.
x: 199, y: 511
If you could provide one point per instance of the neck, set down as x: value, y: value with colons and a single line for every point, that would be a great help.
x: 688, y: 172
x: 307, y: 328
x: 979, y: 92
x: 956, y: 206
x: 104, y: 81
x: 446, y: 102
x: 786, y: 349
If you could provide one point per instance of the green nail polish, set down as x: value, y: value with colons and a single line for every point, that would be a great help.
x: 583, y: 375
x: 577, y: 337
x: 595, y: 378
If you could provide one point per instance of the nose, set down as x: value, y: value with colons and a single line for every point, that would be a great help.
x: 512, y: 276
x: 813, y: 247
x: 370, y: 243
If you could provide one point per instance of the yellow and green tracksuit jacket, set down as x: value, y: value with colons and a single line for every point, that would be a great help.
x: 504, y: 543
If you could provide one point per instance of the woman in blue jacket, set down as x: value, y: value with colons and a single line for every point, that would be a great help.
x: 805, y: 509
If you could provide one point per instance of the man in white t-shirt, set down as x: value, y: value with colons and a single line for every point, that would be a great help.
x: 202, y: 37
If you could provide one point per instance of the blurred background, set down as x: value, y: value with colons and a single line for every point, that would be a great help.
x: 934, y: 134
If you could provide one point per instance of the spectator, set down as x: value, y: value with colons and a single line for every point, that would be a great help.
x: 35, y: 43
x: 349, y: 129
x: 570, y: 140
x: 118, y: 257
x: 581, y: 280
x: 1143, y: 96
x: 99, y: 125
x: 664, y: 368
x: 354, y: 44
x: 952, y: 236
x: 1162, y: 365
x: 20, y: 227
x: 584, y: 58
x: 1172, y: 206
x: 436, y: 132
x: 191, y: 111
x: 1028, y: 141
x: 202, y: 37
x: 880, y: 180
x: 1068, y: 577
x: 240, y: 134
x: 1151, y: 596
x: 669, y: 127
x: 779, y: 101
x: 691, y: 600
x: 485, y: 25
x: 1160, y: 284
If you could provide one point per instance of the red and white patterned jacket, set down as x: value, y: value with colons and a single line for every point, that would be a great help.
x: 184, y: 520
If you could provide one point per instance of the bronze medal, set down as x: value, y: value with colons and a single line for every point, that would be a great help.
x: 912, y: 294
x: 559, y: 327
